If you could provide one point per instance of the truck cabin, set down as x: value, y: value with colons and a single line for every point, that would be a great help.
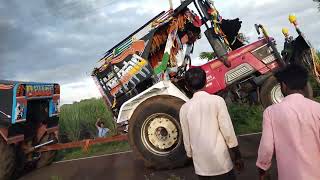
x: 151, y: 53
x: 26, y: 108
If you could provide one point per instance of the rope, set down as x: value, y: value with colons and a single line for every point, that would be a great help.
x: 316, y: 62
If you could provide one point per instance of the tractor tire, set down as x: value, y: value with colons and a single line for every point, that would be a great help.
x: 46, y: 158
x: 270, y: 92
x: 155, y: 133
x: 7, y: 160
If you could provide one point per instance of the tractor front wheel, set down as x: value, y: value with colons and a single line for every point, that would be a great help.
x: 270, y: 92
x: 7, y: 160
x: 46, y: 158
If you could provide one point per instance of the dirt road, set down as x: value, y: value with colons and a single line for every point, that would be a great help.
x: 124, y: 166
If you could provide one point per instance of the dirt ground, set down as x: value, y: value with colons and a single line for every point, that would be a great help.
x: 124, y: 166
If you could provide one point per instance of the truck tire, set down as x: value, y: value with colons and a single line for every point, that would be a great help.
x: 46, y: 158
x: 7, y: 160
x: 155, y: 133
x: 270, y: 92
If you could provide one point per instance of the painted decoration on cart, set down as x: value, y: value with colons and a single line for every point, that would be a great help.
x: 6, y: 98
x: 127, y: 69
x: 39, y: 90
x: 5, y: 87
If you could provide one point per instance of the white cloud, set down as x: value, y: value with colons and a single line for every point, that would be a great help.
x: 77, y: 91
x: 122, y: 6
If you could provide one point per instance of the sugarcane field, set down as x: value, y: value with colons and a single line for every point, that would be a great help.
x: 159, y: 90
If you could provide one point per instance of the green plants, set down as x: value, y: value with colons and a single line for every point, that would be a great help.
x: 77, y: 120
x: 98, y: 149
x: 246, y: 119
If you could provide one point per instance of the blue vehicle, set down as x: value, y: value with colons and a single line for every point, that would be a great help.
x: 29, y: 116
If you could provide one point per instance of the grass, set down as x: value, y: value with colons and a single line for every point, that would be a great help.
x: 95, y: 150
x: 246, y: 119
x: 77, y: 121
x: 55, y: 178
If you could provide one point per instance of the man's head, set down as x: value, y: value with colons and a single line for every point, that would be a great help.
x: 293, y: 79
x: 102, y: 124
x: 195, y: 79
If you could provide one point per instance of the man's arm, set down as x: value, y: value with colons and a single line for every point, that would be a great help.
x: 226, y: 128
x: 225, y: 125
x: 266, y: 147
x: 96, y: 124
x: 185, y: 132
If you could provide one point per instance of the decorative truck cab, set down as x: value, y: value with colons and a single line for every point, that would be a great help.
x: 25, y: 107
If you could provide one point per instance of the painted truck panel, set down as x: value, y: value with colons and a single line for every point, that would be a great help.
x: 13, y: 106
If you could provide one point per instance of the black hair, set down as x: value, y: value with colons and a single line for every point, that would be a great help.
x: 195, y: 78
x: 295, y: 77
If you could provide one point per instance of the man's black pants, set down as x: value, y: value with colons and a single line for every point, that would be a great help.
x: 228, y: 176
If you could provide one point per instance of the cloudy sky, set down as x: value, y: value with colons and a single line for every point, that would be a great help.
x: 61, y: 40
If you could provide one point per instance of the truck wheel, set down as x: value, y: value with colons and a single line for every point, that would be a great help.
x: 155, y: 133
x: 270, y: 92
x: 46, y: 158
x: 7, y: 160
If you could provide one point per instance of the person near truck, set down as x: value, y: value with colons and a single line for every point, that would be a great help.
x: 208, y: 132
x: 102, y: 131
x: 291, y: 130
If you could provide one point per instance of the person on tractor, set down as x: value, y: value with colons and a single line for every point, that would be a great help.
x: 208, y: 131
x: 291, y: 130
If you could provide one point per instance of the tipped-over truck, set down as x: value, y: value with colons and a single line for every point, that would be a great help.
x: 28, y: 121
x: 142, y: 78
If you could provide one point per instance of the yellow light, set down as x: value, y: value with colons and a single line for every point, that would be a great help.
x: 285, y: 31
x: 292, y: 18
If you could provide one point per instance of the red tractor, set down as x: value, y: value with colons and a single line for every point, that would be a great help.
x: 142, y: 77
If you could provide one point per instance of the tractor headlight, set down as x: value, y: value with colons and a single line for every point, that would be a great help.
x: 264, y: 54
x: 269, y: 59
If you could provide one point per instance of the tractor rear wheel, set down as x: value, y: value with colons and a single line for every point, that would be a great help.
x: 270, y: 92
x: 155, y: 133
x: 7, y: 160
x: 46, y: 158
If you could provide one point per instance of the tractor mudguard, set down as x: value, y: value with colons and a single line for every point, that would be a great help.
x: 161, y: 88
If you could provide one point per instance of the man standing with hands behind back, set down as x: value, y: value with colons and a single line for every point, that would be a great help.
x: 208, y: 131
x: 291, y: 130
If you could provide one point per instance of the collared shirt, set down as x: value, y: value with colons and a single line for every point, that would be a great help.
x: 292, y: 129
x: 102, y: 132
x: 208, y: 133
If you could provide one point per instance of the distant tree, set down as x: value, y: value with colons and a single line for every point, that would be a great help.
x: 207, y: 55
x: 211, y: 55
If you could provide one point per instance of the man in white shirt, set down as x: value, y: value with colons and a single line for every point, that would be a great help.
x: 102, y: 131
x: 208, y: 132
